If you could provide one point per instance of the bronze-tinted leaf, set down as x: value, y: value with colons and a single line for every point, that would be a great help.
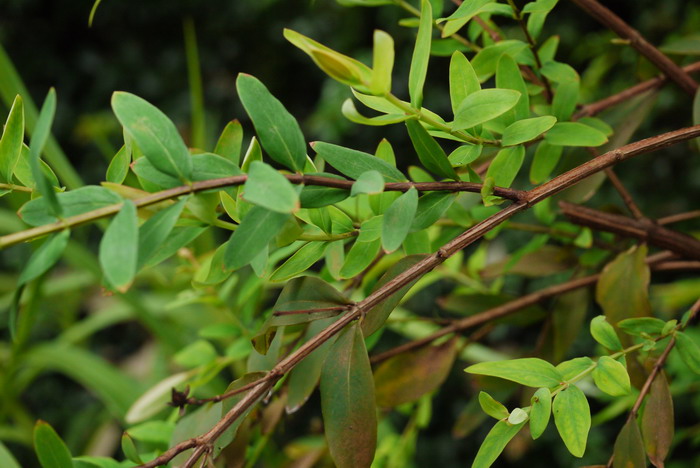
x: 657, y: 421
x: 408, y: 376
x: 629, y: 449
x: 623, y: 287
x: 347, y: 402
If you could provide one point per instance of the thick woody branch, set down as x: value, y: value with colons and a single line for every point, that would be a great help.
x: 642, y: 229
x: 416, y: 271
x: 625, y: 31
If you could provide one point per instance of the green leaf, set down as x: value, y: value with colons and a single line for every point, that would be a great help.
x: 277, y: 129
x: 268, y: 188
x: 540, y: 412
x: 353, y: 115
x: 256, y: 230
x: 230, y: 141
x: 369, y: 182
x: 429, y: 151
x: 6, y: 458
x: 431, y: 207
x: 527, y: 129
x: 465, y: 155
x: 316, y: 196
x: 546, y: 158
x: 377, y: 315
x: 484, y: 105
x: 129, y: 449
x: 42, y: 132
x: 178, y: 238
x: 50, y: 449
x: 11, y: 141
x: 574, y: 134
x: 629, y: 448
x: 304, y: 377
x: 207, y: 166
x: 408, y: 376
x: 156, y: 230
x: 486, y: 60
x: 467, y: 9
x: 398, y: 219
x: 506, y: 165
x: 44, y: 257
x: 611, y: 377
x: 531, y: 372
x: 642, y: 326
x: 463, y: 80
x: 360, y: 256
x: 347, y: 402
x: 493, y: 408
x: 119, y: 166
x: 623, y: 288
x: 509, y: 76
x: 495, y: 442
x: 573, y: 367
x: 158, y: 432
x: 382, y: 63
x: 301, y: 261
x: 658, y: 421
x: 572, y: 416
x: 604, y: 333
x: 154, y: 133
x: 421, y: 55
x: 353, y: 163
x: 689, y: 351
x: 565, y: 99
x: 119, y: 248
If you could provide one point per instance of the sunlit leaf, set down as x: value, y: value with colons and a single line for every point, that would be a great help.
x: 11, y: 141
x: 574, y: 134
x: 604, y: 333
x: 531, y: 372
x: 540, y: 412
x: 382, y: 62
x: 421, y: 55
x: 572, y: 416
x: 495, y: 442
x: 463, y: 80
x: 527, y: 129
x: 484, y: 105
x: 611, y: 377
x: 493, y: 408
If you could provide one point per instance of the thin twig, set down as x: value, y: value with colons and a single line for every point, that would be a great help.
x: 625, y: 31
x: 624, y: 193
x: 677, y: 218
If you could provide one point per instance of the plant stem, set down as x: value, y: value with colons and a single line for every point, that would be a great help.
x: 18, y: 188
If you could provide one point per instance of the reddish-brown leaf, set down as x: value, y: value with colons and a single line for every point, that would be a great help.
x: 657, y: 421
x: 629, y: 448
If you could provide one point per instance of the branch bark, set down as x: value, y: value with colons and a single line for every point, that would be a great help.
x: 625, y: 31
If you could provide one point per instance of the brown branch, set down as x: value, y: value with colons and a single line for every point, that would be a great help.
x: 624, y: 193
x: 597, y: 107
x: 625, y: 31
x: 195, y: 187
x: 538, y: 194
x: 642, y: 229
x: 679, y: 217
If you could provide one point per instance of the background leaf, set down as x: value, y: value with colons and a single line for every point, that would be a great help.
x: 629, y: 449
x: 119, y: 248
x: 622, y: 290
x: 429, y: 151
x: 658, y: 421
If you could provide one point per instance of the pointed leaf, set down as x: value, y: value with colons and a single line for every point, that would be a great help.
x: 154, y: 133
x: 546, y: 158
x: 369, y: 182
x: 119, y: 166
x: 527, y: 129
x: 658, y: 421
x: 398, y: 219
x: 11, y: 141
x: 463, y: 80
x: 484, y: 105
x: 256, y: 230
x: 155, y: 231
x: 509, y: 76
x: 506, y: 165
x: 6, y: 458
x: 354, y: 163
x: 44, y: 257
x: 50, y: 449
x: 119, y: 248
x: 408, y: 376
x: 611, y: 377
x: 42, y: 132
x: 540, y: 412
x: 431, y: 207
x: 493, y: 408
x: 429, y: 151
x: 421, y: 55
x: 382, y: 62
x: 347, y: 402
x: 531, y: 372
x: 572, y: 416
x: 268, y: 188
x: 360, y: 256
x: 301, y: 261
x: 277, y: 129
x: 353, y: 115
x: 629, y: 448
x: 230, y: 141
x: 574, y: 134
x: 495, y: 442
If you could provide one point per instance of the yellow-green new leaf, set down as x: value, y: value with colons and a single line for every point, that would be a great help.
x: 611, y: 377
x: 540, y: 412
x: 484, y: 105
x: 429, y: 151
x: 532, y: 372
x: 353, y: 115
x: 604, y: 333
x: 398, y: 219
x: 629, y: 448
x: 382, y: 63
x: 463, y: 80
x: 268, y: 188
x: 572, y: 416
x: 493, y: 408
x: 278, y: 131
x: 347, y: 402
x: 527, y: 129
x: 154, y: 133
x: 495, y: 442
x: 11, y: 141
x: 506, y: 165
x: 574, y: 134
x: 421, y: 55
x: 119, y: 248
x: 257, y: 229
x: 50, y: 449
